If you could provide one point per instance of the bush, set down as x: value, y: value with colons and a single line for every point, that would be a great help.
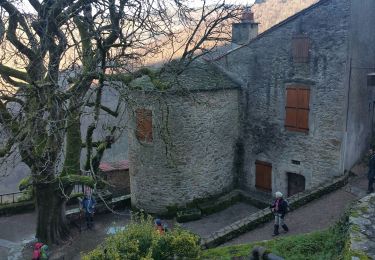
x: 141, y: 241
x: 327, y: 244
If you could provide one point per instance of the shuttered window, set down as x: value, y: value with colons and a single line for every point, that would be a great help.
x: 297, y: 108
x: 300, y: 48
x: 144, y: 125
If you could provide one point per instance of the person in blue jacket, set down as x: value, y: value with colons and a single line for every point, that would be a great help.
x: 88, y: 206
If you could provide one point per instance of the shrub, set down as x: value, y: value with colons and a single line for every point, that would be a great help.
x: 141, y: 241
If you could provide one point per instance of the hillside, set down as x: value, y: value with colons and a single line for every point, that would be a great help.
x: 271, y: 12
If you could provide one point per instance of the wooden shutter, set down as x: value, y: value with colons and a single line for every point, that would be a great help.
x: 291, y: 107
x: 297, y: 108
x: 263, y: 175
x: 144, y: 125
x: 301, y: 48
x: 303, y: 108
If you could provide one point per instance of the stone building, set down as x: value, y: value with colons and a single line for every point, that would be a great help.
x: 116, y: 174
x: 286, y: 110
x: 182, y: 141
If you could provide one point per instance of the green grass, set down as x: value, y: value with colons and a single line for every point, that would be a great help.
x: 325, y: 245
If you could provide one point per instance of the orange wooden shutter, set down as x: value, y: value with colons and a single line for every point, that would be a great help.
x: 291, y: 117
x: 300, y: 48
x: 144, y: 124
x: 303, y: 109
x: 291, y: 107
x: 263, y: 175
x: 297, y: 108
x: 303, y: 97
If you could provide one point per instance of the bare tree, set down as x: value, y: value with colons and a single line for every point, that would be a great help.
x: 50, y: 59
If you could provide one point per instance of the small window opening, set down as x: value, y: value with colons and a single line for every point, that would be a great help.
x: 144, y: 125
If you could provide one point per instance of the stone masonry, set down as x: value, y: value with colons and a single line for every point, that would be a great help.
x: 211, y: 128
x: 193, y: 148
x: 267, y: 68
x: 361, y: 229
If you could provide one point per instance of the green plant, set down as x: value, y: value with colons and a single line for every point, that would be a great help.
x: 26, y: 195
x: 141, y: 241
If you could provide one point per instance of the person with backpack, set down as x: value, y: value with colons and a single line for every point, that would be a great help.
x: 371, y: 171
x: 88, y: 206
x: 279, y: 209
x: 44, y: 254
x: 159, y: 227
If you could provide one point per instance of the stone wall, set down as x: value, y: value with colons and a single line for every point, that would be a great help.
x: 119, y: 181
x: 360, y: 110
x: 192, y: 154
x: 361, y: 229
x: 267, y: 67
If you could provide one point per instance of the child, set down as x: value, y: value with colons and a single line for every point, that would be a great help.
x: 159, y: 227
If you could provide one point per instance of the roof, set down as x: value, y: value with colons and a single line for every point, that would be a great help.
x: 275, y: 27
x: 199, y: 75
x: 114, y: 166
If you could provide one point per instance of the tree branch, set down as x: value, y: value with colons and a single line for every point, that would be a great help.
x: 10, y: 72
x: 16, y: 17
x: 104, y: 108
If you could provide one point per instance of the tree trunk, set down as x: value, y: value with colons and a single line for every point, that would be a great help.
x: 52, y: 225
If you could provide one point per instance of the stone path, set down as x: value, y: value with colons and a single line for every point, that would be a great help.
x: 15, y: 232
x: 19, y: 230
x: 317, y: 215
x: 209, y: 224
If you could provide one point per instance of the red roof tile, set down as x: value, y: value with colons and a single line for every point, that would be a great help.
x: 114, y: 166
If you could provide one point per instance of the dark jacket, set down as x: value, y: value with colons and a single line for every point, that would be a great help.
x: 283, y: 207
x: 371, y: 167
x: 88, y: 204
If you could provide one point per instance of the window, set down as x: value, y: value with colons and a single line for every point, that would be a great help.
x: 263, y: 176
x: 297, y: 108
x: 144, y: 125
x: 300, y: 48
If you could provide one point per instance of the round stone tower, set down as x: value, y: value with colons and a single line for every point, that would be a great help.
x: 182, y: 140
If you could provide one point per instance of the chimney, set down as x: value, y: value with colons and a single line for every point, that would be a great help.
x: 246, y: 30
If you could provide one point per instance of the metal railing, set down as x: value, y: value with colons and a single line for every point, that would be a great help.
x: 12, y: 197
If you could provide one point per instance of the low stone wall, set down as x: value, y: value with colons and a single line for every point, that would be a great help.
x: 362, y: 229
x: 215, y: 204
x: 251, y: 222
x: 17, y: 207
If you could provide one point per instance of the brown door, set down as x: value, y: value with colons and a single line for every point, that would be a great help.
x: 296, y: 183
x: 263, y: 176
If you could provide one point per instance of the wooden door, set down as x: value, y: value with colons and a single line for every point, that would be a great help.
x: 296, y: 183
x: 263, y: 176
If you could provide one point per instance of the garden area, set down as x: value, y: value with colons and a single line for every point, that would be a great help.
x: 140, y: 240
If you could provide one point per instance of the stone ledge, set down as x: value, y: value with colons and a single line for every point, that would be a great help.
x: 73, y: 214
x: 17, y: 207
x: 362, y: 229
x: 265, y: 215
